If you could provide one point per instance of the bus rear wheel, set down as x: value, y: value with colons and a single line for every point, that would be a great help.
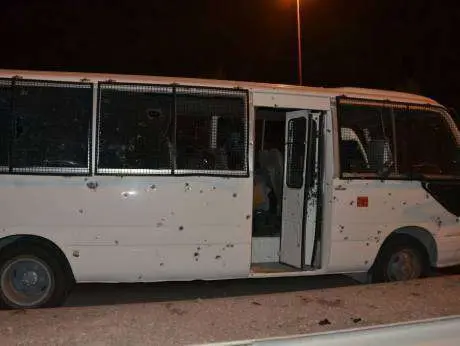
x: 31, y: 277
x: 401, y: 259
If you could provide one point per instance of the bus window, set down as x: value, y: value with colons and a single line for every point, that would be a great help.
x: 211, y: 132
x: 52, y: 126
x: 425, y: 143
x: 134, y: 126
x: 366, y: 139
x: 296, y: 152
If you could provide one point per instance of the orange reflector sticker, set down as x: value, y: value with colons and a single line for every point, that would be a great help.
x: 362, y: 202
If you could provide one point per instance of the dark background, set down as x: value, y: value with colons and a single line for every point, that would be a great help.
x: 407, y: 45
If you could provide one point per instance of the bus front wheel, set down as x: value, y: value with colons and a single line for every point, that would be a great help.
x: 31, y: 277
x: 402, y: 258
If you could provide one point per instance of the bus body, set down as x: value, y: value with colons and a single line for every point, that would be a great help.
x: 118, y: 178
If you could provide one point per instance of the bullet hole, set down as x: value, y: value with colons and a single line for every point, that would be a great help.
x: 352, y: 202
x: 187, y: 187
x: 76, y: 253
x: 379, y: 232
x: 389, y: 193
x: 162, y: 264
x: 213, y: 188
x: 230, y: 245
x: 415, y: 294
x: 80, y: 211
x: 218, y: 257
x: 235, y: 195
x: 139, y: 277
x: 457, y: 220
x: 92, y: 185
x: 116, y: 242
x: 181, y: 228
x: 366, y: 262
x: 201, y: 191
x: 346, y: 238
x: 342, y: 227
x: 249, y: 216
x: 324, y: 322
x: 404, y: 203
x: 438, y: 221
x: 198, y: 248
x: 153, y: 187
x: 256, y: 303
x: 159, y: 224
x: 328, y: 130
x: 196, y: 255
x: 173, y: 213
x: 356, y: 320
x: 393, y: 208
x: 335, y: 198
x: 427, y: 196
x: 367, y: 244
x: 125, y: 194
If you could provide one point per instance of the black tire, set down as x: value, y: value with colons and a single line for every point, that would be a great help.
x: 400, y: 245
x: 60, y: 283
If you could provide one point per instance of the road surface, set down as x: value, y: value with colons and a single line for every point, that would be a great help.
x: 190, y: 313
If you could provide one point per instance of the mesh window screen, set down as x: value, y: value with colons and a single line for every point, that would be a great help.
x: 5, y: 123
x: 153, y: 129
x: 366, y: 139
x: 428, y: 142
x: 211, y: 131
x: 51, y: 127
x: 296, y: 152
x: 135, y: 129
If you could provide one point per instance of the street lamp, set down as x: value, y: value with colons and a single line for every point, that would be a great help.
x: 299, y: 43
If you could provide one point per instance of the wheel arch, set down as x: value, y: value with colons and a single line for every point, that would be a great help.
x: 419, y: 234
x: 44, y: 243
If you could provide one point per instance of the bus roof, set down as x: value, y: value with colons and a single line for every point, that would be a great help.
x: 253, y: 86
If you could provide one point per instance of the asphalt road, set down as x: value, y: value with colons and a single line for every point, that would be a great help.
x: 109, y: 294
x: 200, y: 312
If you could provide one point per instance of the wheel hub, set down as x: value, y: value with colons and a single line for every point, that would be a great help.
x: 29, y: 278
x: 26, y: 281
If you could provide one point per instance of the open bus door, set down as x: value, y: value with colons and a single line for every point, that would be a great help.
x: 301, y: 188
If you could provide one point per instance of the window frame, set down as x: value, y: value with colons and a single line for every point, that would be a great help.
x: 48, y: 170
x: 391, y: 106
x: 175, y: 91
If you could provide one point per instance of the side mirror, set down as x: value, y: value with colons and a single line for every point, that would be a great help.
x: 380, y: 156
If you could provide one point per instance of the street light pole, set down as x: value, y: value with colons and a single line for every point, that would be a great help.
x: 299, y: 43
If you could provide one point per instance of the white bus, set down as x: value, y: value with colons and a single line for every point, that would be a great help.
x: 118, y: 178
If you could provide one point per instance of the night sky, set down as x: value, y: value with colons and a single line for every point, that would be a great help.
x: 391, y: 44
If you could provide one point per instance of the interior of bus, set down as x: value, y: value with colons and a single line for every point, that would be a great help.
x: 269, y: 152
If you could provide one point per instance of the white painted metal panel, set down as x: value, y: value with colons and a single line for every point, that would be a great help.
x: 358, y: 231
x: 279, y: 99
x: 311, y: 209
x: 293, y: 198
x: 136, y: 228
